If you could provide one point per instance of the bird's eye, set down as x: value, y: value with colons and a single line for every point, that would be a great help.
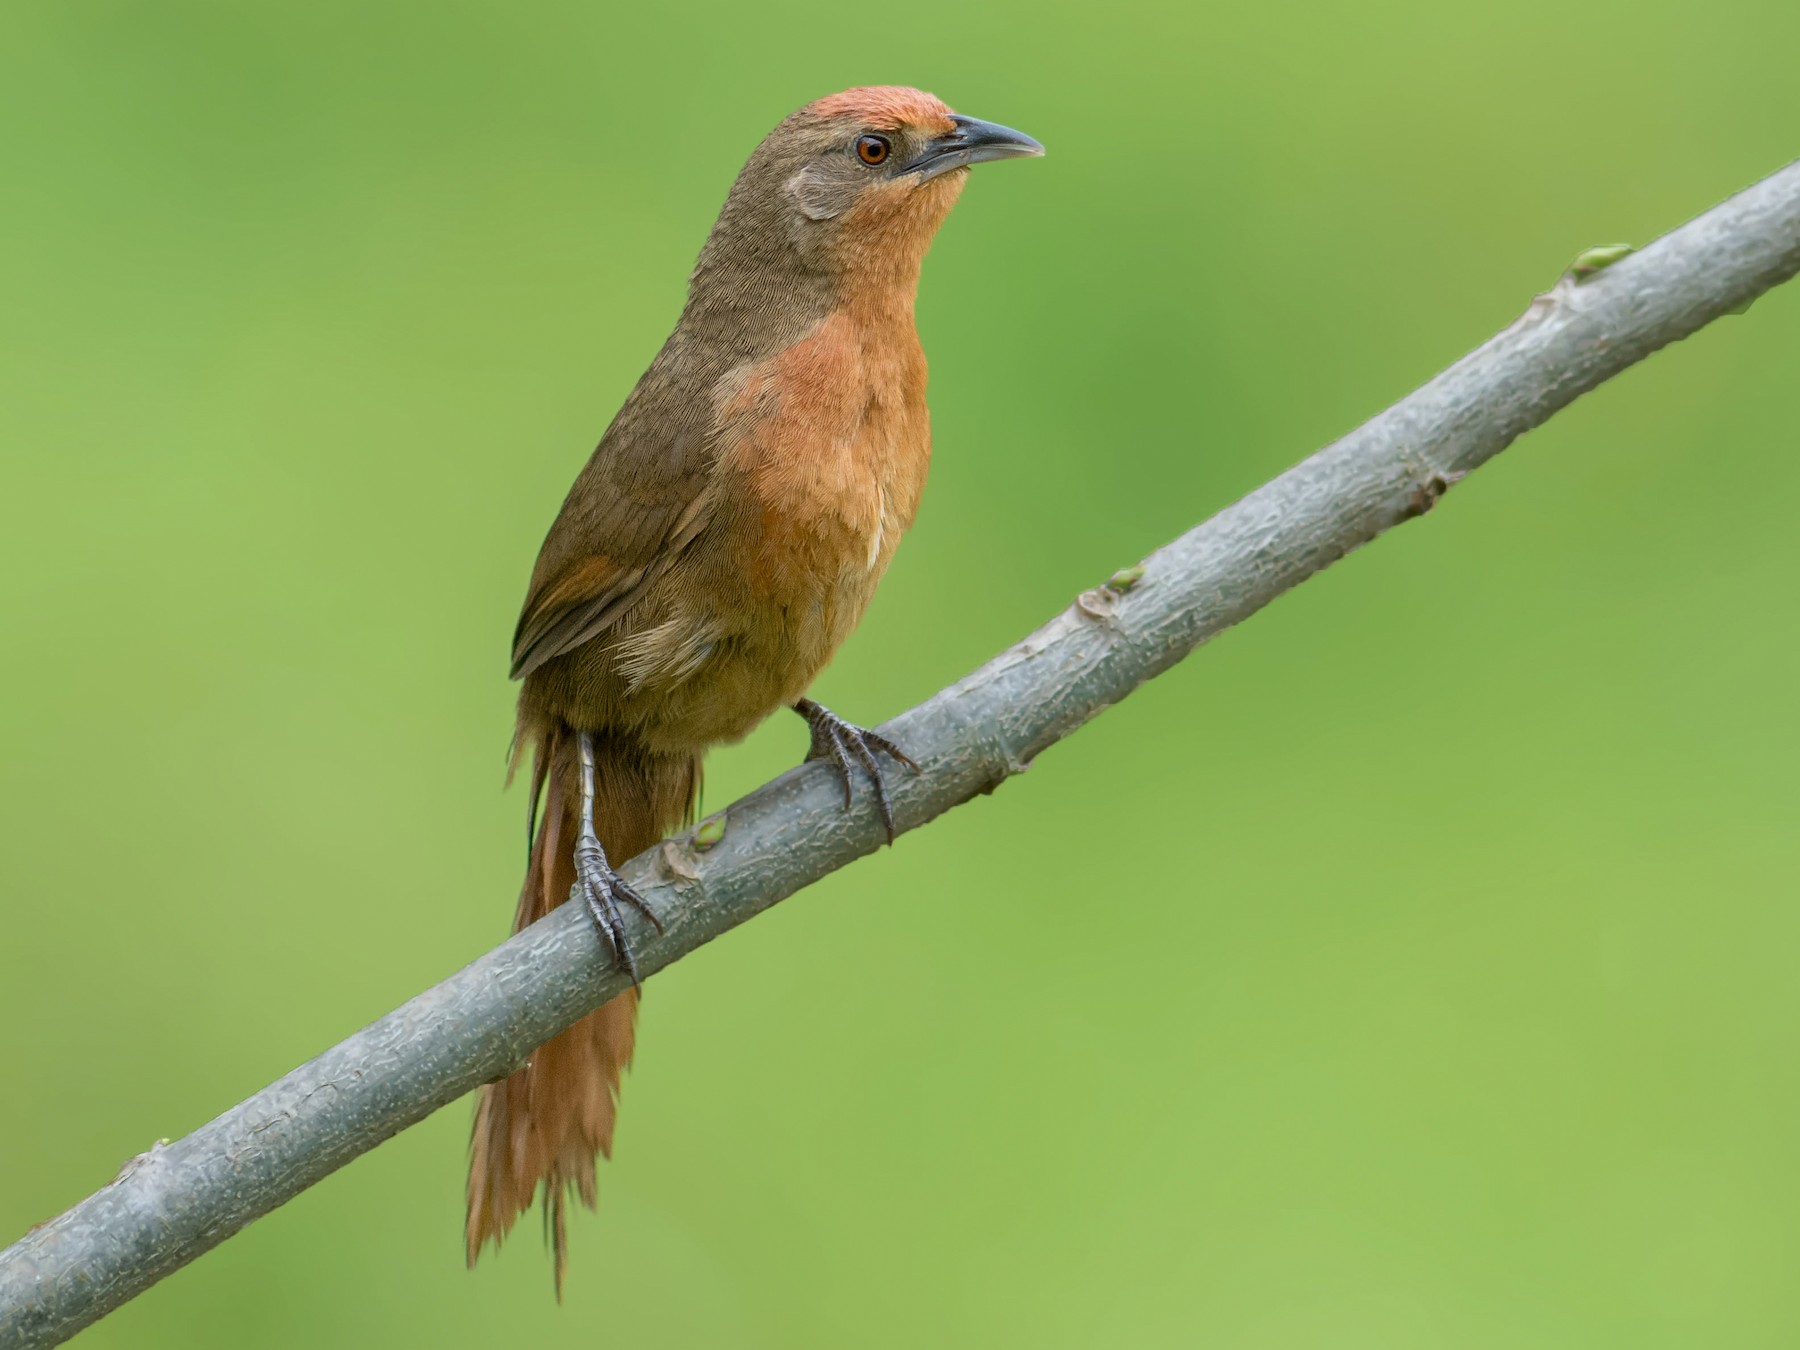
x: 871, y: 149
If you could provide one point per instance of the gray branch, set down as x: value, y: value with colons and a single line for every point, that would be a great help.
x: 178, y: 1200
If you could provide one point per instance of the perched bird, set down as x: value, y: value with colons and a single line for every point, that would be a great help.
x: 722, y: 541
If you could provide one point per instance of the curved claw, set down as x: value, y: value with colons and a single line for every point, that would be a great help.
x: 839, y: 741
x: 601, y: 889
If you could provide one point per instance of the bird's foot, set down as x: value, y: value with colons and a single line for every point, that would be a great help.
x: 602, y: 890
x: 840, y: 742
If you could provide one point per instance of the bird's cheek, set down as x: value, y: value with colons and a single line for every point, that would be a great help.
x: 819, y: 195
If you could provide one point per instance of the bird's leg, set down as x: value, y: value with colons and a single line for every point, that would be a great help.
x: 839, y: 741
x: 596, y: 884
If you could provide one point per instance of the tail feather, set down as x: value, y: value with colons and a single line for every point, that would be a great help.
x: 548, y: 1122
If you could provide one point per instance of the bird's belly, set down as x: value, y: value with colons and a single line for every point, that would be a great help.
x: 760, y: 658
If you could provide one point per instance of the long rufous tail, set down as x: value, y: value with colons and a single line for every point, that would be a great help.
x: 548, y: 1121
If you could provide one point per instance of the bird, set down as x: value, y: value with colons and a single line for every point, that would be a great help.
x: 721, y: 542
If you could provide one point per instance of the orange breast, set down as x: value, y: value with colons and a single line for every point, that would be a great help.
x: 835, y: 453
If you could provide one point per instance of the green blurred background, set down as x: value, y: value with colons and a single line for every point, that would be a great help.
x: 1411, y: 968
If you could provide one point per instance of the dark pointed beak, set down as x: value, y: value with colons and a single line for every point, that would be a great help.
x: 972, y: 141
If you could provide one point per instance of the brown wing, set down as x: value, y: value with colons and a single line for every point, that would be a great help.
x: 639, y: 502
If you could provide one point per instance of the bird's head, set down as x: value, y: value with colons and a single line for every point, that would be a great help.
x: 876, y: 160
x: 856, y: 184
